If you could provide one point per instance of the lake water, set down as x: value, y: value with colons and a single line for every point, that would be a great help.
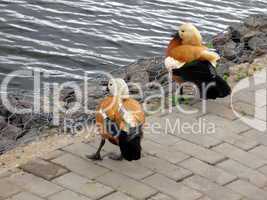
x: 66, y: 38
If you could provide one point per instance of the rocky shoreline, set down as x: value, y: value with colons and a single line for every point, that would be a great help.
x: 243, y: 49
x: 241, y: 43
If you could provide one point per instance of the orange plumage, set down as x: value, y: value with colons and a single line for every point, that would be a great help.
x: 185, y: 47
x: 186, y: 53
x: 111, y: 108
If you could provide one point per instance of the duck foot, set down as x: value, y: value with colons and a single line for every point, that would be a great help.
x: 95, y: 156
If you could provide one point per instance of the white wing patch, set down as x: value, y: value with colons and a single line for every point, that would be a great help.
x: 171, y: 63
x: 127, y: 116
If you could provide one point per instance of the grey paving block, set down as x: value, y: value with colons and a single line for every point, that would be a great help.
x: 25, y: 196
x: 172, y: 188
x: 79, y: 184
x: 80, y: 166
x: 169, y: 154
x: 202, y: 139
x: 132, y: 169
x: 161, y: 166
x: 208, y: 171
x: 7, y: 188
x: 127, y: 185
x: 248, y: 190
x: 244, y: 172
x: 246, y: 158
x: 260, y: 151
x: 258, y: 136
x: 258, y: 111
x: 207, y: 198
x: 211, y: 189
x: 80, y: 149
x: 240, y: 141
x: 44, y: 169
x: 263, y: 170
x: 199, y: 152
x: 234, y: 127
x: 162, y: 137
x: 117, y: 196
x: 34, y: 184
x: 52, y: 155
x: 216, y: 108
x: 67, y: 195
x: 160, y: 196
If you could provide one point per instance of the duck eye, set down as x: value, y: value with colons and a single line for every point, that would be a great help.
x: 183, y: 31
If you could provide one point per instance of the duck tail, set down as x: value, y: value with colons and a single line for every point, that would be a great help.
x: 218, y: 89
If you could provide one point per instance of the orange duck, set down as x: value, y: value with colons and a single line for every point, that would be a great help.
x: 120, y: 120
x: 190, y: 61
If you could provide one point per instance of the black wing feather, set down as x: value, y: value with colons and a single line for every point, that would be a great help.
x: 203, y: 73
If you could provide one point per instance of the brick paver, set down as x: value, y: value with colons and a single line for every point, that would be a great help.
x: 203, y: 169
x: 131, y: 169
x: 81, y: 185
x: 172, y: 188
x: 158, y: 165
x: 166, y: 153
x: 127, y: 185
x: 248, y: 190
x: 229, y: 164
x: 25, y: 196
x: 67, y: 195
x: 211, y: 189
x: 246, y: 158
x: 117, y: 196
x: 199, y: 152
x: 244, y: 172
x: 80, y: 166
x: 34, y: 184
x: 7, y: 189
x: 44, y: 169
x: 160, y: 196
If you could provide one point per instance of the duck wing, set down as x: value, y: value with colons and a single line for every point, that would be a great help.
x: 204, y: 75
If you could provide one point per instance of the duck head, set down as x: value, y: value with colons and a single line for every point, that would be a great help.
x: 188, y: 34
x: 118, y: 87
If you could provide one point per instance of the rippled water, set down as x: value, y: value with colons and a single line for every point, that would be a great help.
x: 66, y: 38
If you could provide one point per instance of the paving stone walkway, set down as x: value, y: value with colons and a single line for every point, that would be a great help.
x: 227, y: 164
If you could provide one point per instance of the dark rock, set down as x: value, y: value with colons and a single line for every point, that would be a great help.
x: 11, y: 132
x: 258, y: 41
x: 67, y: 95
x: 256, y: 21
x: 249, y: 35
x: 235, y: 33
x: 3, y: 122
x: 221, y: 39
x: 5, y: 144
x: 242, y: 42
x: 229, y: 50
x: 145, y: 70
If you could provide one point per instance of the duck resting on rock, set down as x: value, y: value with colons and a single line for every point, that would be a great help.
x: 120, y: 120
x: 190, y: 61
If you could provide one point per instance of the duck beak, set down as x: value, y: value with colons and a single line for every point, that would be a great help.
x: 176, y: 35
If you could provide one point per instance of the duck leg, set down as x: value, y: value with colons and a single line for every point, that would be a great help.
x: 97, y: 155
